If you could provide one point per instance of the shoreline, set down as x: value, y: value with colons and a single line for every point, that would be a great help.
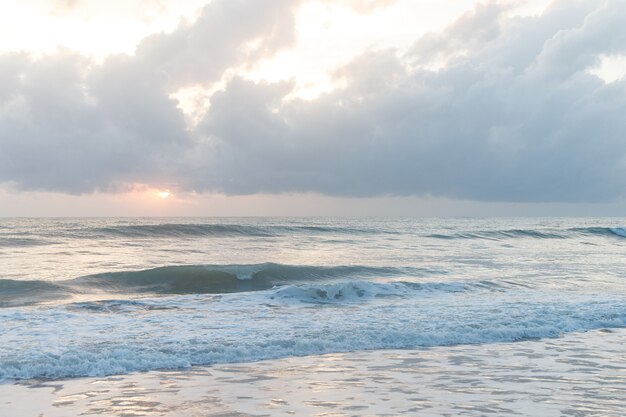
x: 576, y: 374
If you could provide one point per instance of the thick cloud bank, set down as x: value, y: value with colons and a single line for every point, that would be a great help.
x: 494, y: 108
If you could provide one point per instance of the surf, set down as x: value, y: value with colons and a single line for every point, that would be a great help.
x: 191, y: 279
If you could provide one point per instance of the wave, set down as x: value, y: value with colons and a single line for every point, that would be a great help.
x: 9, y: 242
x: 184, y: 279
x: 606, y: 231
x: 347, y: 292
x: 355, y: 291
x: 340, y: 292
x: 536, y: 234
x: 185, y: 230
x: 61, y: 342
x: 182, y: 230
x: 119, y: 306
x: 20, y: 292
x: 193, y: 279
x: 224, y: 230
x: 199, y: 230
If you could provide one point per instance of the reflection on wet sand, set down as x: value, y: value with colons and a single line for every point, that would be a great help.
x: 577, y: 375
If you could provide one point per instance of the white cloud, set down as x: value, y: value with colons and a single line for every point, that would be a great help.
x: 611, y: 68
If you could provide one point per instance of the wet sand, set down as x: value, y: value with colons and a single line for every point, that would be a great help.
x: 580, y: 374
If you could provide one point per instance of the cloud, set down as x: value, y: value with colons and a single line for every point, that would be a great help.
x: 57, y: 135
x: 496, y: 107
x: 491, y: 125
x: 369, y: 6
x: 64, y: 6
x: 226, y: 34
x: 69, y: 125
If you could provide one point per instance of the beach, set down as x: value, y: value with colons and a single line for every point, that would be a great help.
x: 580, y: 374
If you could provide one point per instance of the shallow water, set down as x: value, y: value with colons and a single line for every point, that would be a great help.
x: 95, y: 297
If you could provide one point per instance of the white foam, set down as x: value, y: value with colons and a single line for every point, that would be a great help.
x: 59, y: 342
x: 340, y: 292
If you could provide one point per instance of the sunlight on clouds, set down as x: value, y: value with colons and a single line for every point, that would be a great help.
x: 194, y: 102
x: 149, y: 193
x: 328, y: 31
x: 611, y: 68
x: 530, y: 7
x: 91, y: 27
x: 330, y: 34
x: 134, y: 200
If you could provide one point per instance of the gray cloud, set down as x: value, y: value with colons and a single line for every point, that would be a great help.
x: 58, y: 135
x: 202, y: 51
x: 492, y: 125
x: 514, y: 114
x: 69, y: 125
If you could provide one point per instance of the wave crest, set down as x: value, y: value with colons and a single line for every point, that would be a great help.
x: 355, y: 291
x: 535, y: 234
x: 193, y: 279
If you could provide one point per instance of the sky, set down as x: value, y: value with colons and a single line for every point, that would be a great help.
x: 312, y: 107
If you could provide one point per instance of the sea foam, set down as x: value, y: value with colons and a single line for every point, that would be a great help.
x: 171, y: 332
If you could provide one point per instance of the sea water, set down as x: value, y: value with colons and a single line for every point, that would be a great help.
x: 95, y: 297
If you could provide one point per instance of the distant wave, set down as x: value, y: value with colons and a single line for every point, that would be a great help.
x: 536, y: 234
x: 222, y: 230
x: 193, y: 279
x: 9, y: 242
x: 200, y: 230
x: 182, y: 230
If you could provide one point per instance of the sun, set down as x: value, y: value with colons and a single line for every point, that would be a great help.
x: 163, y: 194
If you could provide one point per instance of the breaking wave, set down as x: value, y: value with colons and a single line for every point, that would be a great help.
x: 355, y: 291
x: 242, y: 328
x: 192, y: 279
x: 536, y: 234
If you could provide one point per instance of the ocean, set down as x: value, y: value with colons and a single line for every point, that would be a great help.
x: 97, y: 297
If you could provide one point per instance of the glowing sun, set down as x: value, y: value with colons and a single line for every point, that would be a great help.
x: 163, y: 194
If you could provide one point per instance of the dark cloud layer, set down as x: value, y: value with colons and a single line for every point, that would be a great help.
x: 511, y: 113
